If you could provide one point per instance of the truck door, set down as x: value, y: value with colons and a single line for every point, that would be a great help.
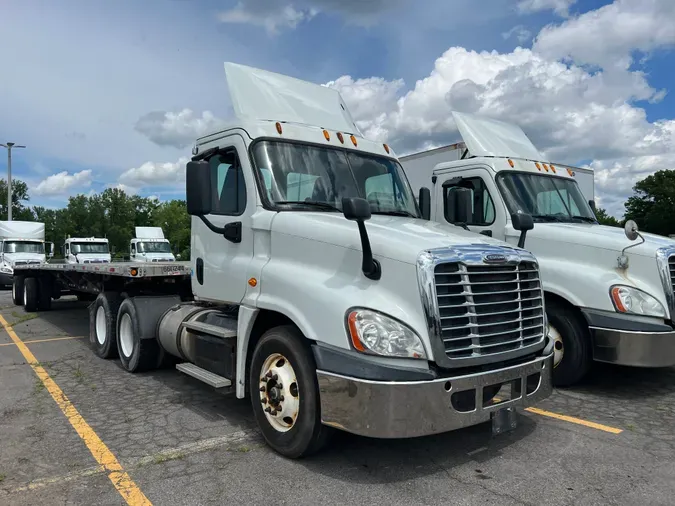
x: 221, y: 262
x: 488, y: 215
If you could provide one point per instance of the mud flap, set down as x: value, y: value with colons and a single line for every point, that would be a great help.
x: 504, y: 420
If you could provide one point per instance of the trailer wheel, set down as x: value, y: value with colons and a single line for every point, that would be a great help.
x: 17, y: 290
x: 103, y: 324
x: 285, y: 393
x: 31, y: 294
x: 136, y: 354
x: 572, y: 345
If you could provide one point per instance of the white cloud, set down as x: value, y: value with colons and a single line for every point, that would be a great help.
x: 177, y: 129
x: 286, y: 17
x: 62, y: 183
x: 521, y: 34
x: 560, y: 7
x: 610, y: 35
x: 153, y: 174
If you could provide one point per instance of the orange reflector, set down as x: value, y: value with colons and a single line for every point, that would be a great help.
x: 553, y: 169
x: 353, y: 139
x: 253, y: 282
x: 537, y: 165
x: 326, y: 135
x: 546, y: 167
x: 340, y: 138
x: 133, y: 272
x: 386, y: 148
x: 353, y: 332
x: 279, y: 128
x: 511, y: 163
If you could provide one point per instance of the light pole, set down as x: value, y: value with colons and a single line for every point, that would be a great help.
x: 9, y: 147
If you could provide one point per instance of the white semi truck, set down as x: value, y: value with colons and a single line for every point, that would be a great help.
x: 609, y: 292
x: 21, y: 242
x: 86, y: 250
x: 327, y: 305
x: 150, y: 245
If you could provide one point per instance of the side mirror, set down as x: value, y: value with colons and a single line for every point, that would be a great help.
x: 523, y: 223
x: 631, y: 230
x: 425, y: 203
x: 458, y: 206
x: 358, y: 210
x: 592, y: 204
x: 198, y: 194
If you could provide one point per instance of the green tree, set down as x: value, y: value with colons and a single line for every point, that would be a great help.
x: 20, y: 211
x: 653, y: 205
x: 172, y: 216
x: 606, y: 219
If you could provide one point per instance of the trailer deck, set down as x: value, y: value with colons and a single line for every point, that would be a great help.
x: 124, y: 269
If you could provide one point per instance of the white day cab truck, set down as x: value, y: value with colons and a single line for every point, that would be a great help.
x: 86, y: 250
x: 150, y: 245
x: 609, y: 296
x: 316, y: 289
x: 21, y: 243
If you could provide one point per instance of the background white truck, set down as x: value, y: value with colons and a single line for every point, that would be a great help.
x: 329, y: 308
x: 21, y: 242
x: 86, y: 250
x: 149, y: 245
x: 608, y: 297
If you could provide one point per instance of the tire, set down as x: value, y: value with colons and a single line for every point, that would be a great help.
x: 17, y: 290
x: 136, y: 354
x: 86, y: 297
x: 103, y: 324
x: 306, y: 434
x: 31, y: 294
x: 577, y: 356
x: 45, y: 294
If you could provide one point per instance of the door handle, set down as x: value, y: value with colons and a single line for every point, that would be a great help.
x: 232, y: 231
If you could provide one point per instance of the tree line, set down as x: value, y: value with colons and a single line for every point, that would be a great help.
x: 112, y: 214
x: 652, y: 205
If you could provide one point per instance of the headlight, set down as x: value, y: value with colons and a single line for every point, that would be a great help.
x: 633, y: 301
x: 6, y: 269
x: 377, y: 334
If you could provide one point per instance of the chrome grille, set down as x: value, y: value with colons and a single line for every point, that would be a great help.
x: 487, y: 310
x: 671, y: 267
x: 27, y: 262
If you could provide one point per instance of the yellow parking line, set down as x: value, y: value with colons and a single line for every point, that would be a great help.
x: 117, y: 475
x: 45, y: 340
x: 572, y: 419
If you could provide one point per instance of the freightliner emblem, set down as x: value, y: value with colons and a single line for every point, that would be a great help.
x: 494, y: 258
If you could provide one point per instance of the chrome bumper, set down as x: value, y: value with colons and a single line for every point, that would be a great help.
x: 639, y: 349
x: 384, y: 409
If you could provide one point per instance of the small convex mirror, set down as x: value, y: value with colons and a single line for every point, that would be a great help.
x: 631, y: 230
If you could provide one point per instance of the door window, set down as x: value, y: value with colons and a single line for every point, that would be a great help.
x: 482, y: 205
x: 228, y: 181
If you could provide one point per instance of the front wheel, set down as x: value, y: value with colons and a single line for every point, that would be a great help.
x: 572, y: 353
x: 17, y: 290
x: 285, y: 393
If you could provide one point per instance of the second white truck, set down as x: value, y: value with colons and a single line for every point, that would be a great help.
x: 609, y: 292
x: 86, y: 250
x: 149, y: 245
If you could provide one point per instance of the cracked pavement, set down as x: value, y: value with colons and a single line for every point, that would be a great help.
x: 184, y: 443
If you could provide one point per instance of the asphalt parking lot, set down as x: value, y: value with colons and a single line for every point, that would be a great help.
x: 76, y: 429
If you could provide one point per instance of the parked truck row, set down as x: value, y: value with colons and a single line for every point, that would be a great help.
x: 324, y: 291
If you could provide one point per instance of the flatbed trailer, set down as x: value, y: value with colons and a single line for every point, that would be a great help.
x: 36, y: 285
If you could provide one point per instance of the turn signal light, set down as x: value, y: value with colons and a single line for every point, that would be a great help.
x: 253, y: 282
x: 133, y: 272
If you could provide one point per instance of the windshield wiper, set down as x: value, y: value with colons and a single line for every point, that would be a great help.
x: 395, y: 213
x: 585, y: 218
x: 548, y: 217
x: 311, y: 203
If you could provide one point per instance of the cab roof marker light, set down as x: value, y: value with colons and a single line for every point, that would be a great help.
x: 553, y: 168
x: 341, y: 138
x: 538, y: 166
x: 386, y: 148
x: 279, y: 130
x: 326, y: 135
x: 511, y: 163
x: 571, y: 172
x: 353, y: 139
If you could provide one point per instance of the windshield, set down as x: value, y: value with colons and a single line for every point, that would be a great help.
x: 24, y: 247
x: 154, y: 247
x: 299, y: 176
x: 546, y: 198
x: 88, y: 247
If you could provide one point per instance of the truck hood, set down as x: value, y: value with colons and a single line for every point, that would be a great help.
x: 599, y: 236
x: 14, y: 258
x: 395, y: 237
x: 93, y: 257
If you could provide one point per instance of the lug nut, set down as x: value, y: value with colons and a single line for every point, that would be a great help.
x: 264, y: 400
x: 269, y: 374
x: 275, y: 377
x: 274, y: 412
x: 281, y: 399
x: 262, y: 389
x: 268, y: 409
x: 280, y: 385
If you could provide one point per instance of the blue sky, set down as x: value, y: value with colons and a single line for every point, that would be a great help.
x: 109, y: 93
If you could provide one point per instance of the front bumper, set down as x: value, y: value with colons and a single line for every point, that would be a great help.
x: 631, y: 340
x: 6, y: 279
x: 402, y: 409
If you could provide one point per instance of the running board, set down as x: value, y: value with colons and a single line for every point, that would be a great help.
x: 212, y: 330
x: 203, y: 375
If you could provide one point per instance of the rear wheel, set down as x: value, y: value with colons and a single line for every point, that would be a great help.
x: 17, y: 290
x: 45, y: 293
x: 285, y: 393
x: 31, y: 294
x: 136, y: 354
x: 103, y: 324
x: 572, y: 355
